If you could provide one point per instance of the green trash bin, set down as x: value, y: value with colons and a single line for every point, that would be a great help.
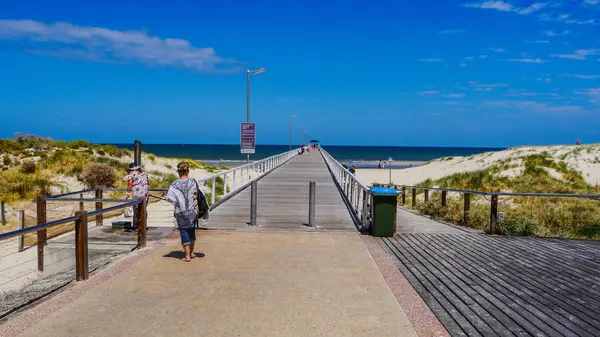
x: 385, y: 201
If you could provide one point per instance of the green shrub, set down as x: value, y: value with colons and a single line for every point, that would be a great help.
x: 6, y: 160
x: 99, y: 175
x: 28, y: 167
x: 152, y: 158
x: 101, y: 153
x: 76, y: 144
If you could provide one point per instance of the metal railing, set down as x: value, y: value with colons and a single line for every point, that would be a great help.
x: 358, y: 196
x: 225, y: 184
x: 494, y: 199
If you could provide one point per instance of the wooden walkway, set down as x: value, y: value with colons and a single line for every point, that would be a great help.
x: 283, y: 200
x: 480, y: 285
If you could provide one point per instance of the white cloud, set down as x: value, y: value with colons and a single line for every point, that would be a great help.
x: 497, y: 5
x: 527, y: 60
x: 428, y: 92
x: 464, y: 64
x: 544, y: 80
x: 486, y: 87
x: 565, y: 18
x: 581, y: 76
x: 534, y: 106
x: 483, y: 56
x: 498, y: 50
x: 454, y: 95
x: 538, y: 41
x: 451, y: 31
x: 592, y: 93
x: 591, y: 2
x: 507, y: 7
x: 553, y: 33
x: 579, y: 54
x: 533, y: 8
x: 430, y: 60
x: 63, y: 39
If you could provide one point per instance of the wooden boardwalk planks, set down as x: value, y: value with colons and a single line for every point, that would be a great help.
x: 283, y: 200
x: 481, y: 285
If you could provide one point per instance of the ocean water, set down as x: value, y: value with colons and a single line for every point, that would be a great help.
x: 349, y: 154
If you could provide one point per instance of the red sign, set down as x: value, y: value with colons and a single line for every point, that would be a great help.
x: 248, y: 138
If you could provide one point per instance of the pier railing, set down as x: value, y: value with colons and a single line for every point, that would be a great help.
x: 221, y: 186
x: 358, y: 196
x: 493, y: 197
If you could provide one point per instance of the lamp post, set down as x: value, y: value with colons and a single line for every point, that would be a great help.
x: 291, y: 118
x: 248, y: 73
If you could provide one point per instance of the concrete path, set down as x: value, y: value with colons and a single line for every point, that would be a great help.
x: 242, y: 284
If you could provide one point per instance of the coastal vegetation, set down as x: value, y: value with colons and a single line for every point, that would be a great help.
x: 32, y: 165
x: 524, y: 171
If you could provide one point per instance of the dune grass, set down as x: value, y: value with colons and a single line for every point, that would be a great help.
x: 540, y: 216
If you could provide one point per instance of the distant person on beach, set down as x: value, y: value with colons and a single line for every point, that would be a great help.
x: 578, y: 142
x: 352, y: 170
x: 137, y: 188
x: 183, y: 194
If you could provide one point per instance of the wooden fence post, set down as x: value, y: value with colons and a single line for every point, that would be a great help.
x: 81, y: 246
x: 2, y: 213
x: 142, y: 225
x: 81, y: 205
x: 444, y: 195
x: 41, y: 234
x: 426, y: 195
x: 494, y: 215
x: 99, y: 217
x: 414, y: 198
x: 21, y: 226
x: 403, y: 196
x: 466, y: 208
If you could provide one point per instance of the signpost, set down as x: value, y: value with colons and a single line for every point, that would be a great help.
x: 248, y: 138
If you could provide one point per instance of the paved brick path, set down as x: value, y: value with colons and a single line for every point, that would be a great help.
x: 245, y: 284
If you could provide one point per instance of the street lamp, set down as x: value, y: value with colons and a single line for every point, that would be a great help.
x: 248, y: 73
x: 291, y: 118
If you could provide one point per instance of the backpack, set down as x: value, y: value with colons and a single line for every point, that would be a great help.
x: 203, y: 208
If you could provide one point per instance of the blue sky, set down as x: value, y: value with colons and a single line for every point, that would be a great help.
x: 393, y: 72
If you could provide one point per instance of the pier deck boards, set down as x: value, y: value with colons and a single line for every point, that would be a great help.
x: 283, y: 200
x: 480, y: 285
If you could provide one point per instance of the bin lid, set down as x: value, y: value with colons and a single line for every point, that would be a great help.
x: 383, y: 191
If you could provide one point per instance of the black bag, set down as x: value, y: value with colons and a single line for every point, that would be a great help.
x: 203, y: 207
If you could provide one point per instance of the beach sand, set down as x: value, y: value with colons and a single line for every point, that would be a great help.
x: 582, y: 158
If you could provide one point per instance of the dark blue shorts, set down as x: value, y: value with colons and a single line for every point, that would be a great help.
x: 187, y: 235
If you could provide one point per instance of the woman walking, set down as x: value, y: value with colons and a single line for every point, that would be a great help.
x: 183, y: 194
x: 138, y: 188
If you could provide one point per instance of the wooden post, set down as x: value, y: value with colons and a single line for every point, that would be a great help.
x: 21, y: 226
x: 81, y: 205
x: 142, y: 224
x: 426, y: 195
x: 81, y: 246
x: 41, y: 234
x: 466, y: 208
x: 414, y: 197
x: 403, y: 196
x: 137, y: 153
x: 99, y: 217
x: 444, y: 194
x: 494, y: 215
x: 2, y: 213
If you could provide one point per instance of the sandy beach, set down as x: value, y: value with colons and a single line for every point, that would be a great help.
x: 583, y: 158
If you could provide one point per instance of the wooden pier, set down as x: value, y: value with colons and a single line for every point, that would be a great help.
x: 283, y: 200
